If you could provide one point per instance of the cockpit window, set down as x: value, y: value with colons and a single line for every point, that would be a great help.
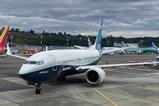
x: 35, y: 62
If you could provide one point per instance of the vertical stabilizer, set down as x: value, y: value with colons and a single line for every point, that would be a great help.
x: 153, y: 45
x: 4, y: 36
x: 97, y: 44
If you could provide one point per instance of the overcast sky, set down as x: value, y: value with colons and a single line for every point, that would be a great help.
x: 82, y: 16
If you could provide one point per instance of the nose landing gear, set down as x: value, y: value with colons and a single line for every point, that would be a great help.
x: 38, y: 89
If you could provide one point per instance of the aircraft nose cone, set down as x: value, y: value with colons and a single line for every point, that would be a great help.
x: 25, y: 72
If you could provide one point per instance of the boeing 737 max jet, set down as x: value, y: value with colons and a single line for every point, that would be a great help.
x: 61, y: 63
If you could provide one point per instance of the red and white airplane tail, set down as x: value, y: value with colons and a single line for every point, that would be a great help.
x: 3, y: 39
x: 4, y: 36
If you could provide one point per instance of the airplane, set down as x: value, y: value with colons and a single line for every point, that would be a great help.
x: 141, y: 50
x: 57, y: 64
x: 3, y: 39
x: 120, y: 50
x: 154, y: 46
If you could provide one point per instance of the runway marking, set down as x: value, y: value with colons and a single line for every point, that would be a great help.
x: 107, y: 98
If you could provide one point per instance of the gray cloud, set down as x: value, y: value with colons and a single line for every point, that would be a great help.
x: 78, y: 16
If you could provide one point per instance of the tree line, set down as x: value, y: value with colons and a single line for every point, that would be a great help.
x: 64, y: 39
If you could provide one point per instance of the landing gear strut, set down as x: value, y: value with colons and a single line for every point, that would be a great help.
x: 38, y: 89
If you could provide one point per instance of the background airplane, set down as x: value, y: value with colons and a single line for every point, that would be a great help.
x: 3, y: 39
x: 120, y: 50
x: 57, y: 64
x: 142, y: 50
x: 154, y: 46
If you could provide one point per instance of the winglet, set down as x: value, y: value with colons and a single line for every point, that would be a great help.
x: 8, y: 50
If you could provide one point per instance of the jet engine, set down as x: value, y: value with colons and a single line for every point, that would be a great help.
x: 95, y: 75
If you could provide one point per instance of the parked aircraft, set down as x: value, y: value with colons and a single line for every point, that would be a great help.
x: 57, y: 64
x: 120, y: 50
x: 141, y: 50
x: 3, y: 40
x: 154, y: 46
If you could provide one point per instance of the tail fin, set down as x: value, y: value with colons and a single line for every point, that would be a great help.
x: 98, y: 40
x: 153, y: 45
x: 4, y: 36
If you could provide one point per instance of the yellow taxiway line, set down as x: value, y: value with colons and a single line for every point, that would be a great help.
x: 107, y: 98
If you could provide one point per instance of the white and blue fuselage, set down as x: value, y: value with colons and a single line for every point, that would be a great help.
x: 51, y: 64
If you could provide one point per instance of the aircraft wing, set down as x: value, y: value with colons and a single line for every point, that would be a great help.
x: 12, y: 55
x: 114, y: 65
x: 104, y: 51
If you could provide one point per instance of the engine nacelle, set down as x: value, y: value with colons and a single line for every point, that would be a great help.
x: 95, y: 75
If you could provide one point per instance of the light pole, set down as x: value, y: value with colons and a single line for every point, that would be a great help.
x: 67, y: 41
x: 41, y: 42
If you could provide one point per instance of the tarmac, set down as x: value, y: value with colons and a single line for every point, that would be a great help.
x: 123, y: 86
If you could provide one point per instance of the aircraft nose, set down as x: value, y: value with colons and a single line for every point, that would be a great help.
x: 23, y: 70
